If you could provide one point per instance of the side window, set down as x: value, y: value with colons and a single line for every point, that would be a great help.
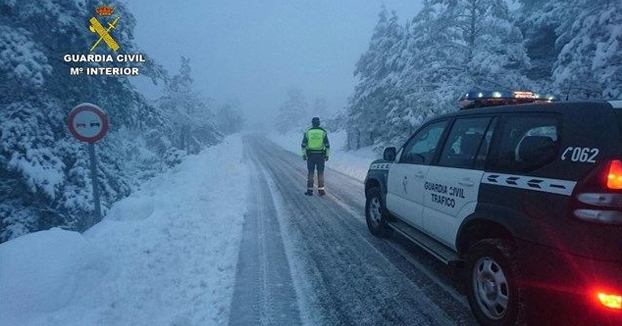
x: 422, y: 147
x: 480, y: 163
x: 464, y: 142
x: 527, y: 143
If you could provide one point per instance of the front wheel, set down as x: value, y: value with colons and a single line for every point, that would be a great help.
x: 375, y: 214
x: 494, y: 294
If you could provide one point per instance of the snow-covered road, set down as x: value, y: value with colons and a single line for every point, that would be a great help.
x: 319, y: 250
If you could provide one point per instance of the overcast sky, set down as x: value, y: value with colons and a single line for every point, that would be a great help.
x: 254, y: 51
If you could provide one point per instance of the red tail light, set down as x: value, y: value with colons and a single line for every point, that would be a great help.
x: 610, y: 300
x: 614, y: 175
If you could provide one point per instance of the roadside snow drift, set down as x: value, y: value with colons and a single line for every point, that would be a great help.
x: 164, y: 256
x: 42, y: 271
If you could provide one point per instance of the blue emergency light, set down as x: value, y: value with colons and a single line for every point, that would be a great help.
x: 478, y: 99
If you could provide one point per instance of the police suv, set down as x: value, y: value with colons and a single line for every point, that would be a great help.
x: 525, y: 193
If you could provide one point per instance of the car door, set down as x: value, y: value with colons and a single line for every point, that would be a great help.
x: 406, y: 177
x: 451, y: 187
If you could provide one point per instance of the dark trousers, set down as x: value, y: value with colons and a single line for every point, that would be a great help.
x: 315, y: 161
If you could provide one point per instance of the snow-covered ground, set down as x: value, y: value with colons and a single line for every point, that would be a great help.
x: 164, y: 256
x: 352, y: 163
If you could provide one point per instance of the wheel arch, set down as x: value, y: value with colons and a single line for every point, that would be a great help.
x: 477, y: 228
x: 372, y: 183
x: 375, y: 181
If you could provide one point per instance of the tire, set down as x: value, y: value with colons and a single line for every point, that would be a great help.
x: 494, y: 294
x: 375, y: 214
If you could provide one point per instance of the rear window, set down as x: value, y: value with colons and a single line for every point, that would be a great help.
x: 527, y: 142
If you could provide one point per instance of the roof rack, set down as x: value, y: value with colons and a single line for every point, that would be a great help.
x: 479, y: 99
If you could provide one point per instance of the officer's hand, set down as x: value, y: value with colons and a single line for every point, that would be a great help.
x: 326, y: 158
x: 304, y: 157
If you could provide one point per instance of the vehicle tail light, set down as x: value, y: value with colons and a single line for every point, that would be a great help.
x: 614, y: 175
x: 598, y: 197
x: 610, y: 300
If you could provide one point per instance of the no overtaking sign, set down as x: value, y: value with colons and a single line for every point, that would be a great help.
x: 88, y: 123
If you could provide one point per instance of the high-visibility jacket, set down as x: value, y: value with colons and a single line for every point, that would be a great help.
x: 315, y: 140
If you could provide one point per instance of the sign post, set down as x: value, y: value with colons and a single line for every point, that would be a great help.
x: 88, y: 123
x: 94, y: 181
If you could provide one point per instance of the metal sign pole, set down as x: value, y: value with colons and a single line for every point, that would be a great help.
x: 93, y: 159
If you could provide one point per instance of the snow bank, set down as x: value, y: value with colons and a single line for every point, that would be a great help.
x: 41, y: 272
x: 164, y: 256
x: 352, y: 163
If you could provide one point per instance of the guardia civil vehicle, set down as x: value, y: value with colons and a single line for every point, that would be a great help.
x: 524, y: 194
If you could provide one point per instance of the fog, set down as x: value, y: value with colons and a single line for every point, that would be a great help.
x: 253, y: 51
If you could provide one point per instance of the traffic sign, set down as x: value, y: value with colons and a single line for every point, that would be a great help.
x: 88, y: 123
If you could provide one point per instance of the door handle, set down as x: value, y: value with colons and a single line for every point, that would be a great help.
x: 419, y: 174
x: 467, y: 182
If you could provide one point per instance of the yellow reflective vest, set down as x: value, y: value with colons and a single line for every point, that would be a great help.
x: 315, y: 140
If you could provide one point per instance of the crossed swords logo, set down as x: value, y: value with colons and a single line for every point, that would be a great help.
x: 104, y: 33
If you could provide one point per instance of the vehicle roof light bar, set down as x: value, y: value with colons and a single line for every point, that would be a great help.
x: 478, y: 99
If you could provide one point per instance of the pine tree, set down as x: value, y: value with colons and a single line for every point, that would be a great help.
x: 416, y: 88
x: 483, y: 48
x: 293, y: 112
x: 376, y: 70
x: 195, y: 123
x: 229, y: 118
x: 590, y: 42
x: 410, y: 74
x: 539, y: 21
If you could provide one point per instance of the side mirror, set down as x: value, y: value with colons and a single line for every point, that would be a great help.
x: 390, y: 153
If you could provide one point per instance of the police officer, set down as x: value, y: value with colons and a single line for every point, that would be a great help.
x: 315, y: 150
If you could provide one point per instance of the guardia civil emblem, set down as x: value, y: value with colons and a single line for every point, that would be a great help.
x: 105, y: 13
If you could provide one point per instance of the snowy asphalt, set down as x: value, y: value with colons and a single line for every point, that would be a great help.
x: 311, y: 260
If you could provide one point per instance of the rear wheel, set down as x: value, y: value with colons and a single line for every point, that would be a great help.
x: 494, y: 294
x: 375, y: 214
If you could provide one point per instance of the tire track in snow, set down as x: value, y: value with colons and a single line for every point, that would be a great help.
x: 263, y: 291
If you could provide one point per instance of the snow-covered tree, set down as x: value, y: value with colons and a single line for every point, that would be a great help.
x: 539, y: 21
x: 416, y: 89
x: 229, y: 118
x: 482, y: 46
x: 195, y: 123
x: 574, y: 48
x: 375, y: 69
x: 293, y: 112
x: 589, y: 63
x: 412, y: 73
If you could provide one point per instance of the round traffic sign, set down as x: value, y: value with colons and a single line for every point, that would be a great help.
x: 88, y: 123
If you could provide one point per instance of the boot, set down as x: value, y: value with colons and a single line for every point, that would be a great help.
x: 320, y: 184
x: 309, y: 185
